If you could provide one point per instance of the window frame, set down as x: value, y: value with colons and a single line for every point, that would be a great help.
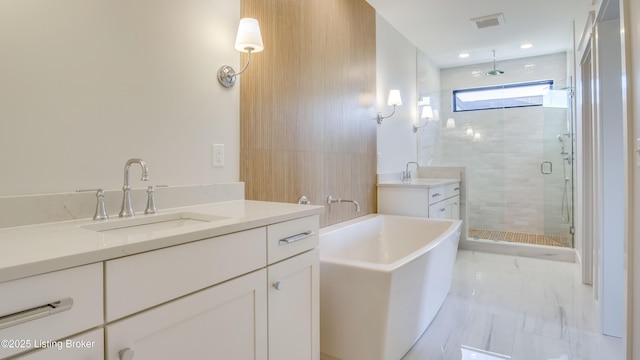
x: 496, y: 87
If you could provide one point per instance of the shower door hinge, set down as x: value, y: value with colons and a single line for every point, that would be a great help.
x: 572, y: 230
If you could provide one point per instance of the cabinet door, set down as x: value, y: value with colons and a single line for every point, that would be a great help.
x: 227, y: 321
x: 455, y: 207
x: 439, y: 210
x: 294, y: 313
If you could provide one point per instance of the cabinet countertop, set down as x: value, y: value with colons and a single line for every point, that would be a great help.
x: 418, y: 182
x: 36, y: 249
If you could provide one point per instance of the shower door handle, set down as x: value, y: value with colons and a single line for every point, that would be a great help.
x: 546, y: 170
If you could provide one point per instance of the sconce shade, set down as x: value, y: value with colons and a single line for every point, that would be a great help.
x: 427, y: 112
x: 249, y: 36
x: 394, y: 98
x: 451, y: 123
x: 470, y: 131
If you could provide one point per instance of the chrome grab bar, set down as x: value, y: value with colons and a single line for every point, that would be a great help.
x: 297, y: 237
x: 35, y: 313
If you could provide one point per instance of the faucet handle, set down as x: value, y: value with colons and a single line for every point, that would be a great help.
x: 101, y: 210
x: 151, y: 199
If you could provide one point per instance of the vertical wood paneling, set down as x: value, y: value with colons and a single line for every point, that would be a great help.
x: 307, y: 105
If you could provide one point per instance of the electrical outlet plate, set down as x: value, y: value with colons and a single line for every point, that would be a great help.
x: 217, y: 151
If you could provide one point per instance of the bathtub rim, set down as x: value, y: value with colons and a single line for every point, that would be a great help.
x: 455, y: 226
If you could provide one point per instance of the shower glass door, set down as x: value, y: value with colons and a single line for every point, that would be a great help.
x: 556, y: 167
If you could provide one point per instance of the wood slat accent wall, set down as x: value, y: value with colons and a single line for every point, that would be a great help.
x: 307, y: 105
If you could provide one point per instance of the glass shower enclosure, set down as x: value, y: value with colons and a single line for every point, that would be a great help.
x: 519, y: 160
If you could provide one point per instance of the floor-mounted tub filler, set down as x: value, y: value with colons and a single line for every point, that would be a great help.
x: 383, y: 278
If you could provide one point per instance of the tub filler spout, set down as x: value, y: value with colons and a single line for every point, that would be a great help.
x: 331, y: 200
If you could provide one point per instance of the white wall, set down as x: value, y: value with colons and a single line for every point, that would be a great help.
x: 396, y: 69
x: 86, y: 85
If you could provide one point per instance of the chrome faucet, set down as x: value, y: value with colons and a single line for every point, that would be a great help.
x: 406, y: 175
x: 127, y: 208
x: 331, y: 200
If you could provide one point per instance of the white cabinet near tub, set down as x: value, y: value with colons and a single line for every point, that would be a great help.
x: 178, y: 302
x: 444, y: 202
x: 294, y: 288
x: 432, y: 198
x: 226, y: 321
x: 294, y: 308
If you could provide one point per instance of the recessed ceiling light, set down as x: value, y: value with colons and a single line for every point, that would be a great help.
x: 463, y: 55
x: 526, y: 46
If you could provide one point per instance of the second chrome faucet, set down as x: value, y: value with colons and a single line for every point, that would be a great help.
x: 331, y: 200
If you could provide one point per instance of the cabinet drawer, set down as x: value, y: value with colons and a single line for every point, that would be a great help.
x: 82, y: 285
x: 452, y: 190
x: 141, y: 281
x: 440, y: 193
x: 437, y: 194
x: 293, y: 237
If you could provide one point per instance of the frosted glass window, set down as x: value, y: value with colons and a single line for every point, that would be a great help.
x: 501, y: 96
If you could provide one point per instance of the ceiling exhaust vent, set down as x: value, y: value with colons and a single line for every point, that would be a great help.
x: 486, y: 21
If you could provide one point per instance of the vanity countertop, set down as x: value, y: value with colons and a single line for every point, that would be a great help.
x: 418, y: 182
x: 36, y: 249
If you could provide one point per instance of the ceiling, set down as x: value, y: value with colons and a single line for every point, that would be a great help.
x: 442, y: 28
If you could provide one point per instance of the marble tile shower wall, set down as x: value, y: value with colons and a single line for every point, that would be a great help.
x: 506, y: 190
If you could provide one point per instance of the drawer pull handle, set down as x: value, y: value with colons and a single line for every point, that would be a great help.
x: 443, y: 210
x: 456, y: 189
x: 294, y: 238
x: 435, y: 195
x: 35, y: 313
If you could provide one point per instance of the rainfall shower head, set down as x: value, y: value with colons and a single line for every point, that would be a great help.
x: 494, y: 72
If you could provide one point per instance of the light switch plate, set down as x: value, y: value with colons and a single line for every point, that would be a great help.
x: 218, y: 155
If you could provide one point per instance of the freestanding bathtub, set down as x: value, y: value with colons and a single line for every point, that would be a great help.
x: 383, y: 278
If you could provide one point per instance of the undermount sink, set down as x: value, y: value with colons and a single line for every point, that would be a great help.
x: 153, y: 223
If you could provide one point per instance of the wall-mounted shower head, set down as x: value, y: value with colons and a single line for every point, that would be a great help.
x: 561, y: 140
x: 494, y: 72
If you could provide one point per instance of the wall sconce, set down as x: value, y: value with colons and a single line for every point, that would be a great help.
x: 451, y: 123
x: 394, y: 100
x: 248, y: 40
x: 427, y: 113
x: 469, y: 131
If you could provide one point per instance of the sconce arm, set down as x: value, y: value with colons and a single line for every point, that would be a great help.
x: 379, y: 117
x: 418, y: 126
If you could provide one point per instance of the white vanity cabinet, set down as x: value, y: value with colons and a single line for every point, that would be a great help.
x: 294, y: 290
x: 178, y: 302
x: 444, y: 202
x: 247, y: 292
x: 432, y: 199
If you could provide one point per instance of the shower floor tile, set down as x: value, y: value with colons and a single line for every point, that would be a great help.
x: 523, y: 238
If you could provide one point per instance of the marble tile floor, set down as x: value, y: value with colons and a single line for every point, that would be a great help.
x: 519, y: 237
x: 509, y: 307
